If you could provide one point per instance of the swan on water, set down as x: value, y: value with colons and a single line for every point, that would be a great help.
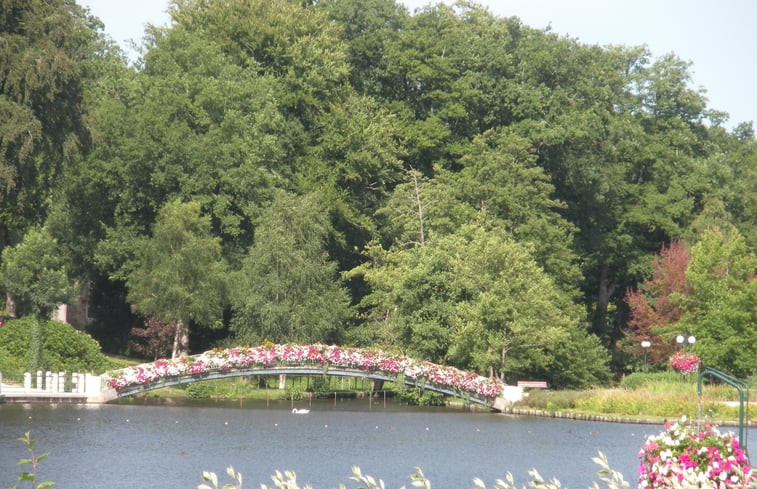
x: 300, y: 411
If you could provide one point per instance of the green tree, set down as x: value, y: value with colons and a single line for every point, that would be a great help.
x: 721, y: 308
x: 42, y: 115
x: 288, y: 289
x: 353, y: 165
x: 34, y: 272
x: 35, y: 277
x: 292, y: 42
x: 499, y: 174
x: 498, y: 177
x: 180, y: 275
x: 369, y: 26
x: 210, y: 132
x: 477, y: 299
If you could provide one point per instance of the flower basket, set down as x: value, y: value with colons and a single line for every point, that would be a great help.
x: 684, y: 456
x: 685, y: 363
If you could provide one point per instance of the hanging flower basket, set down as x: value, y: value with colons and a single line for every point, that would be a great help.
x: 685, y: 363
x: 684, y: 456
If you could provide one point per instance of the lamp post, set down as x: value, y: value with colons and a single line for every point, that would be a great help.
x: 645, y: 344
x: 684, y: 340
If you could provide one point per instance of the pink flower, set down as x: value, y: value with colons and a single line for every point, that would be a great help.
x: 685, y: 363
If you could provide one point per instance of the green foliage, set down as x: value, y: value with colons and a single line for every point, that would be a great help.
x: 295, y: 392
x: 33, y: 462
x: 721, y: 309
x: 578, y: 361
x: 235, y: 388
x: 198, y: 390
x: 34, y: 273
x: 552, y: 400
x: 288, y: 289
x: 180, y: 275
x: 640, y: 380
x: 655, y: 395
x: 667, y: 406
x: 46, y: 47
x: 422, y: 397
x: 320, y: 386
x: 11, y: 364
x: 477, y: 298
x: 33, y: 345
x: 408, y: 128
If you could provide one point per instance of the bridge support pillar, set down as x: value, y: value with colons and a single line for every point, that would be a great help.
x: 377, y: 385
x: 282, y: 381
x: 500, y: 404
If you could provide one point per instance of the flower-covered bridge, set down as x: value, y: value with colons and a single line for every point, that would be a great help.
x: 305, y: 360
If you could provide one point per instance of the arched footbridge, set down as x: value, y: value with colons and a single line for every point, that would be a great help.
x: 305, y: 360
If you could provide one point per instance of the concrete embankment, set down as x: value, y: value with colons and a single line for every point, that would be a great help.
x: 41, y: 397
x: 605, y: 417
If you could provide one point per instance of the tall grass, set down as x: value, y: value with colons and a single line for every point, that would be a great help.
x: 658, y: 395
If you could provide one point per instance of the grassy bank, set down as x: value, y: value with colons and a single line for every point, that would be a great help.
x: 664, y: 395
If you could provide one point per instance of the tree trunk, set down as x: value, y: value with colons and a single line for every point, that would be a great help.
x: 419, y: 204
x: 180, y: 340
x: 503, y: 358
x: 10, y: 305
x: 606, y: 289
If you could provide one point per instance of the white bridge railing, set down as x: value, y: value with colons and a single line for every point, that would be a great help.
x: 52, y: 383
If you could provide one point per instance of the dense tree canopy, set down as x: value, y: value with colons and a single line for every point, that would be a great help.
x: 288, y: 289
x: 45, y: 47
x: 454, y: 184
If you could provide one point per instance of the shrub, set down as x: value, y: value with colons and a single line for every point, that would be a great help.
x: 553, y: 400
x: 422, y: 397
x: 294, y: 392
x: 198, y: 390
x: 639, y: 380
x: 10, y: 364
x: 50, y: 345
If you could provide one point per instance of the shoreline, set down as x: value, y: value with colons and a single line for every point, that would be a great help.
x: 607, y: 418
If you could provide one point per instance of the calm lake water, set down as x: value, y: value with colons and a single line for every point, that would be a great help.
x: 167, y: 447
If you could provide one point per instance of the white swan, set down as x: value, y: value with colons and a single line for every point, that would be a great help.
x: 300, y: 411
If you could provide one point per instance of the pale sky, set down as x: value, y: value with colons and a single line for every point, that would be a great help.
x: 718, y: 36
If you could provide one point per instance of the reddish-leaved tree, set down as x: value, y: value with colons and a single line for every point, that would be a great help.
x: 652, y: 308
x: 154, y: 339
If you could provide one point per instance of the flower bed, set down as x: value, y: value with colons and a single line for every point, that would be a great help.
x: 298, y: 355
x: 683, y: 456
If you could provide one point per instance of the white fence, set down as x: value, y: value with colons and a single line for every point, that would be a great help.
x: 53, y: 384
